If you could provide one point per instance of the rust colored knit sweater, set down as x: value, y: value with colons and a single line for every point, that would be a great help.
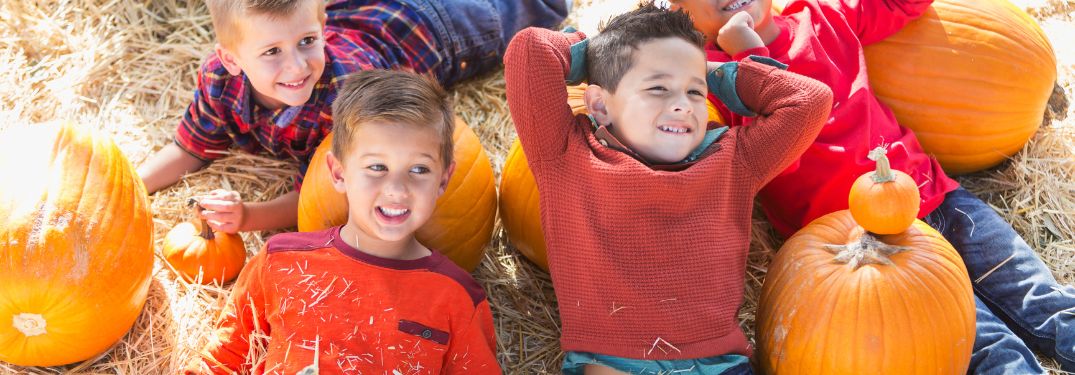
x: 650, y: 264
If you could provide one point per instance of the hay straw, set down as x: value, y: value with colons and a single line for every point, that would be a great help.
x: 129, y: 67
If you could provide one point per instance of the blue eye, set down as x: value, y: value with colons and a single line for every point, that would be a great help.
x: 419, y: 169
x: 377, y: 168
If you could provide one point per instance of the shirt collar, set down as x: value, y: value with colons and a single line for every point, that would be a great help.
x: 706, y: 148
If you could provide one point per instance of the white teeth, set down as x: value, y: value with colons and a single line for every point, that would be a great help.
x: 672, y: 130
x: 737, y: 5
x: 391, y: 212
x: 293, y: 84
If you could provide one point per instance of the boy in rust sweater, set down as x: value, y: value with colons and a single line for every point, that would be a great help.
x: 366, y: 297
x: 646, y: 207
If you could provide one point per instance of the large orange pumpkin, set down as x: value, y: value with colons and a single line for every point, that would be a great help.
x: 462, y: 222
x: 838, y: 300
x: 203, y: 255
x: 970, y: 77
x: 520, y: 210
x: 76, y: 241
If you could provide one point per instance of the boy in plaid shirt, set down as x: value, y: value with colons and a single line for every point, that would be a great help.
x: 270, y: 83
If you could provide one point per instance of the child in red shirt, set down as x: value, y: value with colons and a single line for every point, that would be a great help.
x: 824, y: 39
x: 631, y: 195
x: 366, y: 297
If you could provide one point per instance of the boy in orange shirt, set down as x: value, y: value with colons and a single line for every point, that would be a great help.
x: 366, y: 297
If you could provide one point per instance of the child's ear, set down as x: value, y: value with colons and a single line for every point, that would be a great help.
x: 228, y: 59
x: 447, y: 177
x: 595, y: 98
x: 335, y: 171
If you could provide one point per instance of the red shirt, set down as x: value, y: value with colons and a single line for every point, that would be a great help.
x: 823, y: 39
x: 363, y: 314
x: 646, y: 263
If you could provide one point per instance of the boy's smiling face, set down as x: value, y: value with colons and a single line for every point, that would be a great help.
x: 659, y: 107
x: 710, y: 15
x: 392, y: 175
x: 282, y: 56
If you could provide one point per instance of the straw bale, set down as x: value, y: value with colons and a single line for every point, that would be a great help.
x: 128, y: 67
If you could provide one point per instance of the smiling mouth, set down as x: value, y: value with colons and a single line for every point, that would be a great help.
x: 736, y: 5
x: 293, y: 85
x: 673, y: 130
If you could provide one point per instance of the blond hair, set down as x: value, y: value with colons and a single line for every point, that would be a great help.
x: 391, y: 96
x: 226, y: 13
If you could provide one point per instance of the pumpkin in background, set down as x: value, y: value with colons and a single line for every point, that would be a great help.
x: 884, y: 201
x: 970, y: 77
x: 520, y: 209
x: 76, y: 241
x: 203, y: 255
x: 462, y: 223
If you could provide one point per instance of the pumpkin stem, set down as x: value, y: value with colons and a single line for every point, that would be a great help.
x: 867, y: 250
x: 29, y: 324
x: 883, y: 173
x: 207, y: 232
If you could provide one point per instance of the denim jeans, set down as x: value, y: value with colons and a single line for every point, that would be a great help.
x: 475, y: 33
x: 1018, y: 301
x: 728, y: 364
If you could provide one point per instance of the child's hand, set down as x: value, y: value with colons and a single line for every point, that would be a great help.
x: 224, y: 210
x: 738, y: 35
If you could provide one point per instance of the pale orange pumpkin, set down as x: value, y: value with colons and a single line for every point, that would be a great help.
x: 839, y: 300
x: 203, y: 255
x: 520, y: 209
x: 884, y: 201
x: 462, y: 223
x: 76, y: 241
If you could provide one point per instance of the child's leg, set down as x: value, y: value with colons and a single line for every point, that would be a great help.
x: 1009, y: 277
x: 996, y: 349
x: 474, y: 33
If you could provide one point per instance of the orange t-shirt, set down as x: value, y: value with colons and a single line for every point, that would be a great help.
x: 362, y: 313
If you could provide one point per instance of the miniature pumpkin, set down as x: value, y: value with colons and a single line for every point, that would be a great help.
x: 201, y: 254
x: 840, y: 300
x: 884, y: 201
x: 76, y: 244
x: 520, y: 209
x: 462, y: 222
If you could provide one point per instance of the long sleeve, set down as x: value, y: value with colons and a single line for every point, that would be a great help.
x: 243, y: 320
x: 204, y: 127
x: 791, y: 110
x: 535, y: 66
x: 875, y: 20
x: 473, y: 346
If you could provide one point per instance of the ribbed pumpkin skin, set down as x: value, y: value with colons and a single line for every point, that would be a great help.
x: 520, y: 207
x: 815, y: 316
x: 884, y: 207
x: 970, y: 77
x: 75, y: 244
x: 219, y: 259
x: 462, y: 223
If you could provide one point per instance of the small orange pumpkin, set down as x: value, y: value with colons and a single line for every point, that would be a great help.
x: 462, y: 222
x: 520, y: 209
x: 203, y: 255
x: 840, y: 300
x: 76, y: 238
x: 884, y: 201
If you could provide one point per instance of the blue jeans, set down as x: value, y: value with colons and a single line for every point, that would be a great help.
x: 1018, y: 301
x: 473, y: 34
x: 728, y: 364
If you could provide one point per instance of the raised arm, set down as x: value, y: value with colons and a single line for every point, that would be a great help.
x: 875, y: 20
x: 790, y: 109
x: 535, y: 66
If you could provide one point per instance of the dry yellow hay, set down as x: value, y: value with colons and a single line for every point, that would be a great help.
x: 129, y: 67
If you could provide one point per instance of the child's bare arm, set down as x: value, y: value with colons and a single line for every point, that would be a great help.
x: 535, y: 66
x: 167, y: 166
x: 225, y: 211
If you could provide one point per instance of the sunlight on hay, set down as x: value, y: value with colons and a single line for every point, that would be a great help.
x: 128, y: 67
